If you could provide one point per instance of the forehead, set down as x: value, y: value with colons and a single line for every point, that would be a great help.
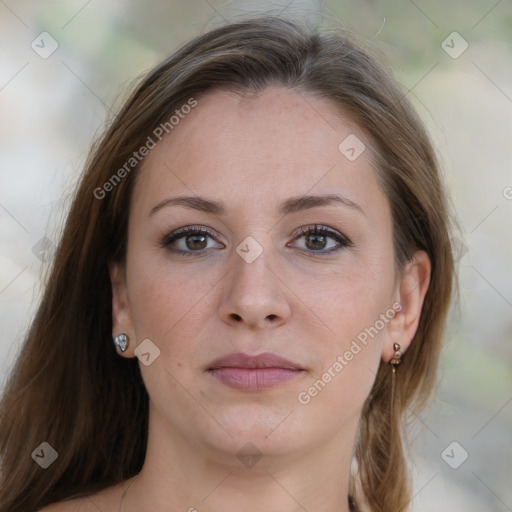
x: 262, y: 147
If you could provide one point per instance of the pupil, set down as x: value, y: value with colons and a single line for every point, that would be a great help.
x: 315, y: 238
x: 194, y: 238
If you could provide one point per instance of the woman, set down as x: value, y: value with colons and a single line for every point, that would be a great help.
x: 249, y: 296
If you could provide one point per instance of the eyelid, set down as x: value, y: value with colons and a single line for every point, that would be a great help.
x: 323, y: 230
x: 186, y: 230
x: 342, y: 240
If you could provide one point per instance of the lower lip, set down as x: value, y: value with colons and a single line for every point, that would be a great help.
x: 255, y: 379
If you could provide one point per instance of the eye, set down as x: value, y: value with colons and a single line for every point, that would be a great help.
x: 316, y: 239
x: 194, y: 240
x: 189, y: 240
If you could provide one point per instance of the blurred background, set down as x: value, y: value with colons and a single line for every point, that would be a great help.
x: 65, y: 68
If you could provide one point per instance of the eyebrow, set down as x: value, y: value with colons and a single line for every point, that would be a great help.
x: 291, y: 205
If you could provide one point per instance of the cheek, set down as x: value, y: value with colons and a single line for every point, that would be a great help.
x: 349, y: 349
x: 351, y: 311
x: 168, y: 301
x: 345, y: 303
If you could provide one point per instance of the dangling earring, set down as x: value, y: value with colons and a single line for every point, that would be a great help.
x: 394, y: 362
x: 397, y: 358
x: 121, y: 342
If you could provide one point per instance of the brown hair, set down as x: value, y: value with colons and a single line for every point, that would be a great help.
x: 70, y: 388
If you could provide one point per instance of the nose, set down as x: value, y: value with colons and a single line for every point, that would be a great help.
x: 255, y: 294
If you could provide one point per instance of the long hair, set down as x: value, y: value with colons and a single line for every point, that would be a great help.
x: 68, y: 386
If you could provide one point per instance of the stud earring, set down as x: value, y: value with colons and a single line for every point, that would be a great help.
x: 121, y: 342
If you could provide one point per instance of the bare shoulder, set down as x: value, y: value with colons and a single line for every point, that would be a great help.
x: 107, y: 499
x: 76, y: 505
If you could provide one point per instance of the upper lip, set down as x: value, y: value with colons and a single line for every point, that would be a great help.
x: 263, y: 360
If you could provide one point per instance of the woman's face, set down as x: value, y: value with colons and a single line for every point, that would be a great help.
x: 254, y: 283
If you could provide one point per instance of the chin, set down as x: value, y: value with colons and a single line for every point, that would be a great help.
x: 271, y: 428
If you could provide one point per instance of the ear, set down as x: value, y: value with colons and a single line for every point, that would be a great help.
x: 410, y: 293
x: 121, y: 314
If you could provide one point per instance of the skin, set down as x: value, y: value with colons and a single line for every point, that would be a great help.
x: 253, y: 152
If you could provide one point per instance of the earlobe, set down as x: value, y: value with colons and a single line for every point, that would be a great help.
x: 411, y: 291
x: 121, y: 316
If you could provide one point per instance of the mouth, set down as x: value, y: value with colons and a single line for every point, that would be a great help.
x: 254, y: 373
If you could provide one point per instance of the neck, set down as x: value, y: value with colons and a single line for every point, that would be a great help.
x: 180, y: 474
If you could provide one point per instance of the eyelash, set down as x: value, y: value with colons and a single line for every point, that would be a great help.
x: 313, y: 229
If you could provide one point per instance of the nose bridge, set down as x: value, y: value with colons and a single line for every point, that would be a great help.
x: 254, y: 292
x: 253, y: 260
x: 253, y: 272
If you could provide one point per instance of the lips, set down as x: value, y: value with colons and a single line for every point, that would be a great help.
x: 264, y: 360
x: 254, y: 373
